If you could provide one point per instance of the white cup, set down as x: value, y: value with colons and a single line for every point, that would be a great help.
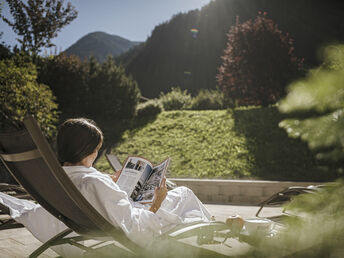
x: 258, y: 226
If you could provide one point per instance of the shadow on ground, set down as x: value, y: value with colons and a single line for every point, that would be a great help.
x: 113, y: 132
x: 277, y: 157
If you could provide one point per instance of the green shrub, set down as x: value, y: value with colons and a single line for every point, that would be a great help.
x: 149, y: 108
x: 208, y: 100
x: 20, y: 95
x: 176, y: 99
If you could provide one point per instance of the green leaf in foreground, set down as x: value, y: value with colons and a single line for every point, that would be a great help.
x: 316, y: 105
x: 317, y: 232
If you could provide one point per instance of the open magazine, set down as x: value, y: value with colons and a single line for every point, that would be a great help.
x: 139, y: 178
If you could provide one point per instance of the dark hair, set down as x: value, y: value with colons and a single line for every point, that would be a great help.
x: 76, y: 139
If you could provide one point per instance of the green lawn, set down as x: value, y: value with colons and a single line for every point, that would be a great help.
x: 239, y: 143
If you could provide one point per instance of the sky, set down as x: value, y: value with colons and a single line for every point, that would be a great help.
x: 130, y: 19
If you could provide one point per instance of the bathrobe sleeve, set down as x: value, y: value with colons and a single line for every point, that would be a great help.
x: 140, y: 225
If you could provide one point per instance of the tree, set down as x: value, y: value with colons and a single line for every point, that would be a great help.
x: 38, y: 21
x: 258, y: 62
x: 20, y: 95
x: 67, y: 77
x: 87, y: 88
x: 112, y: 95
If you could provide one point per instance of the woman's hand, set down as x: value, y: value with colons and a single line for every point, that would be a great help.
x: 160, y: 194
x: 115, y: 176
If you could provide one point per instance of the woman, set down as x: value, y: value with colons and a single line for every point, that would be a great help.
x: 78, y: 142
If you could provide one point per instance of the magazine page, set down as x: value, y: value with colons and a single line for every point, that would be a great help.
x: 146, y: 193
x: 135, y: 171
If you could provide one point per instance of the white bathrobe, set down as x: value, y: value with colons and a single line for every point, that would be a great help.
x: 139, y: 224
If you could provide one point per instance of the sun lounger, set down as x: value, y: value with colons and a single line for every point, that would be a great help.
x: 14, y: 190
x: 32, y: 162
x: 6, y: 222
x: 284, y: 196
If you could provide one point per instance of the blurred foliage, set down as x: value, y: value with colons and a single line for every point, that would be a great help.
x: 318, y: 231
x: 232, y: 144
x: 151, y: 107
x: 36, y: 22
x: 20, y: 95
x: 258, y: 62
x: 208, y: 100
x: 176, y: 99
x: 316, y: 108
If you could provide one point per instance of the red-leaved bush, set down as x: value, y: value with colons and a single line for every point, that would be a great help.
x: 258, y: 62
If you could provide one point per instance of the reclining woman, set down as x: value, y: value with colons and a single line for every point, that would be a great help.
x: 78, y: 142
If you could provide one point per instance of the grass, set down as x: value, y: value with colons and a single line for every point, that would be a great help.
x: 236, y: 144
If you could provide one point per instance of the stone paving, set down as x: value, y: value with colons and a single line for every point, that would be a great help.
x: 20, y: 242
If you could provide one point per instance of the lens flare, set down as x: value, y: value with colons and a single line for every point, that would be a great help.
x: 194, y: 33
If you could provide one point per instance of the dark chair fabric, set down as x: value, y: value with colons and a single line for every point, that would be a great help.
x: 32, y: 162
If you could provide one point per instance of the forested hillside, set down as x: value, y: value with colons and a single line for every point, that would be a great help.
x: 186, y: 50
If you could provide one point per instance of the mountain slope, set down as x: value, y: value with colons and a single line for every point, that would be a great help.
x: 100, y: 45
